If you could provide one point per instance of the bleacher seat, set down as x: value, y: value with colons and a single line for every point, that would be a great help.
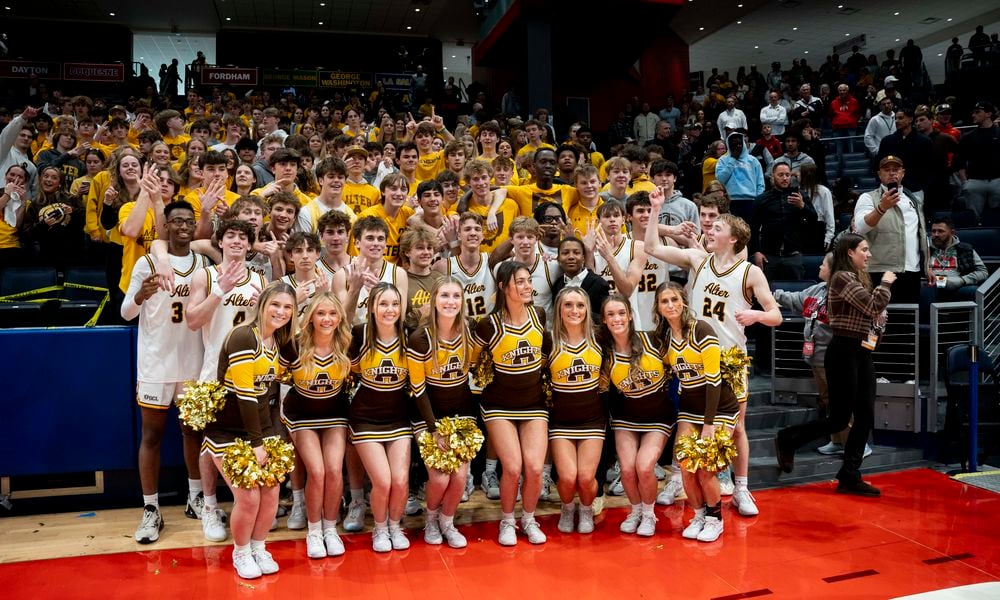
x: 985, y: 240
x: 812, y: 263
x: 22, y: 313
x: 961, y: 218
x: 16, y: 280
x: 843, y: 222
x: 89, y: 276
x: 79, y: 305
x: 990, y: 218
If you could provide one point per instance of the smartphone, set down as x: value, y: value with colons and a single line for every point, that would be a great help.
x: 891, y: 185
x: 793, y: 189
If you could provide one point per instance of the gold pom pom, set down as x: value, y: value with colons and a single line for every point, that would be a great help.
x: 694, y: 453
x: 482, y: 375
x: 735, y: 363
x: 464, y: 441
x: 240, y: 466
x: 200, y: 402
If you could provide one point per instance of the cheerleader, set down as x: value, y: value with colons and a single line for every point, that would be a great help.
x: 248, y: 364
x: 705, y: 401
x: 438, y: 355
x: 512, y: 404
x: 315, y: 413
x: 380, y: 429
x: 642, y: 415
x: 578, y: 415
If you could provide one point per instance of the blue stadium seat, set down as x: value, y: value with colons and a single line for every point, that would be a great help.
x: 812, y: 263
x: 89, y: 276
x: 26, y: 314
x: 985, y: 240
x: 15, y: 280
x: 961, y: 218
x: 991, y: 218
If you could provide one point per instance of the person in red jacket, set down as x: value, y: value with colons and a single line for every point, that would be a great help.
x: 845, y: 111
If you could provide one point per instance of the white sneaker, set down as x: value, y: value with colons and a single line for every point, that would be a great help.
x: 661, y: 473
x: 246, y: 566
x: 212, y: 527
x: 831, y: 449
x: 672, y: 492
x: 614, y: 472
x: 297, y: 518
x: 314, y: 545
x: 413, y: 506
x: 432, y: 531
x: 150, y: 526
x: 647, y: 526
x: 398, y: 538
x: 380, y: 540
x: 508, y: 533
x: 453, y: 536
x: 631, y: 522
x: 532, y: 531
x: 586, y: 522
x: 694, y: 528
x: 868, y: 451
x: 616, y: 488
x: 566, y: 515
x: 355, y: 519
x: 726, y: 485
x: 195, y: 506
x: 711, y: 531
x: 546, y: 491
x: 491, y: 485
x: 470, y: 486
x: 334, y: 545
x: 745, y: 504
x: 265, y: 561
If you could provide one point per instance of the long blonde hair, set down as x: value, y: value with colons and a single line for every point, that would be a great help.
x: 661, y: 326
x: 341, y: 334
x: 371, y: 329
x: 430, y: 321
x: 284, y: 336
x: 559, y: 332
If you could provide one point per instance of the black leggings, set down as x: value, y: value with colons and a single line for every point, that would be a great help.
x: 851, y: 387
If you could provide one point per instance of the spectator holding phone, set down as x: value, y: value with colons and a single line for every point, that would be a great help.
x: 891, y: 220
x: 780, y: 217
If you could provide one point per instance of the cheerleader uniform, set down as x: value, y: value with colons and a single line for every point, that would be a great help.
x: 578, y: 411
x: 317, y: 398
x: 705, y: 398
x: 641, y: 404
x: 515, y: 393
x: 440, y: 389
x: 378, y: 412
x: 247, y: 369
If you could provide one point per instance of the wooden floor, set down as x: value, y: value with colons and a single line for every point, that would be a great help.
x: 87, y: 533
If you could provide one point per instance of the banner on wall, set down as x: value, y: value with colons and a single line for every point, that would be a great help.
x: 287, y: 77
x: 344, y: 79
x: 112, y: 72
x: 399, y: 82
x: 228, y: 75
x: 24, y: 69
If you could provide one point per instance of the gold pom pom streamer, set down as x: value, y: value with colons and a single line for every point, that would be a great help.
x: 200, y: 402
x: 464, y: 442
x: 694, y: 453
x: 735, y: 363
x: 240, y: 466
x: 482, y: 375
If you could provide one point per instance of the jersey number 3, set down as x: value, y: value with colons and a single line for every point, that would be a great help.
x: 718, y: 310
x: 176, y: 312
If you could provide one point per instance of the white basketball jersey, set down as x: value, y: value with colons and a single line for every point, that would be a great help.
x: 387, y: 275
x: 543, y: 274
x: 328, y: 269
x: 717, y: 297
x: 654, y: 273
x: 168, y: 351
x: 260, y: 263
x: 480, y: 287
x: 236, y: 307
x: 624, y: 254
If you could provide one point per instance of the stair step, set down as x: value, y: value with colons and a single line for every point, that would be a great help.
x: 811, y: 466
x: 772, y: 417
x: 762, y: 442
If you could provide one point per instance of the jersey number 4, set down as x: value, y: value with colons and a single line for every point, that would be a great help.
x: 239, y: 318
x: 718, y: 310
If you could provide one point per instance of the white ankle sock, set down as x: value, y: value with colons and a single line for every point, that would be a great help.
x: 298, y: 496
x: 316, y: 527
x: 527, y: 516
x: 357, y: 494
x: 569, y: 506
x: 153, y: 499
x: 647, y: 509
x: 194, y: 488
x: 329, y: 524
x: 446, y: 521
x: 740, y: 482
x: 211, y: 502
x: 237, y: 549
x: 509, y: 517
x: 491, y: 465
x: 256, y: 545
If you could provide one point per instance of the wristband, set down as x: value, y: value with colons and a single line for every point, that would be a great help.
x: 879, y: 209
x: 217, y: 291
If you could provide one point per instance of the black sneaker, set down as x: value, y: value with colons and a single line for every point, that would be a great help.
x: 858, y: 488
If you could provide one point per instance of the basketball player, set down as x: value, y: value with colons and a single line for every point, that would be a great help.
x: 471, y: 267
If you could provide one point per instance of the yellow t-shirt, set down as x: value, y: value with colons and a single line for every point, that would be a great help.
x: 361, y: 196
x: 396, y: 228
x: 429, y: 165
x: 529, y: 148
x: 639, y: 185
x: 94, y: 205
x: 194, y: 199
x: 528, y: 197
x: 708, y: 171
x: 580, y: 216
x: 491, y: 239
x: 134, y: 248
x: 177, y: 145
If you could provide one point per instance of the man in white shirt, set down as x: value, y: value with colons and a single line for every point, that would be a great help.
x: 732, y: 115
x: 880, y: 126
x: 774, y: 114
